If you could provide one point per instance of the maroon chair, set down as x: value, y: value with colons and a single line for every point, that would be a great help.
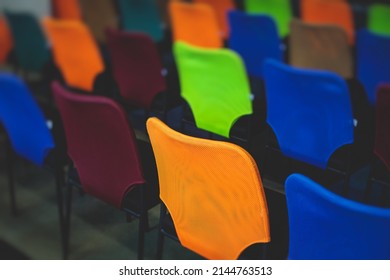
x: 102, y: 146
x: 136, y: 67
x: 382, y: 138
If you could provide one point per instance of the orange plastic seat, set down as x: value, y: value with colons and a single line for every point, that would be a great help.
x: 195, y: 24
x: 213, y: 192
x: 67, y: 9
x: 221, y: 8
x: 75, y: 52
x: 334, y: 12
x: 6, y: 41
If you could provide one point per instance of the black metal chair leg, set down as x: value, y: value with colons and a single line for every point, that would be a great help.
x: 11, y: 181
x: 141, y: 237
x: 348, y: 174
x: 59, y: 186
x: 160, y: 245
x: 67, y: 216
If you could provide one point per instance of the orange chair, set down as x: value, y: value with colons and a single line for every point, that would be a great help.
x: 221, y: 8
x: 66, y: 9
x: 6, y: 42
x: 213, y: 192
x: 334, y: 12
x: 75, y: 52
x: 195, y: 24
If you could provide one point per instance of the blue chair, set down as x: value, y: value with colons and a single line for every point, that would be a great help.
x: 323, y: 225
x: 373, y: 61
x: 255, y: 38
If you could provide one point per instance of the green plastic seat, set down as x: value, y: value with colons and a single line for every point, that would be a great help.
x: 215, y: 85
x: 30, y: 45
x: 378, y: 19
x: 279, y: 10
x: 142, y: 16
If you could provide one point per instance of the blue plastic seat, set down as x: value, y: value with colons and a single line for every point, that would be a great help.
x: 309, y: 111
x: 323, y: 225
x: 255, y: 38
x: 373, y: 61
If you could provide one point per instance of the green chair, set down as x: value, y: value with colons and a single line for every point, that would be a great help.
x: 378, y: 19
x: 215, y: 85
x: 142, y: 16
x: 279, y: 10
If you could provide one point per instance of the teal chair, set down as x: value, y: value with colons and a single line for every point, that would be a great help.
x: 215, y: 85
x: 279, y: 10
x: 143, y: 16
x: 378, y: 19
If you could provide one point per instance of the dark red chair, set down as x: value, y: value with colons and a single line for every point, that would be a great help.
x: 136, y: 67
x: 382, y: 139
x: 102, y: 146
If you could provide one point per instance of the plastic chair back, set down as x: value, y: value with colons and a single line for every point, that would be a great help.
x: 326, y: 226
x: 309, y: 111
x: 75, y: 52
x: 6, y: 42
x: 136, y: 67
x: 101, y: 144
x: 255, y: 38
x: 215, y: 85
x: 382, y: 124
x: 279, y: 10
x: 213, y: 192
x: 378, y: 19
x: 195, y: 24
x: 221, y: 9
x: 67, y: 9
x: 142, y: 16
x: 330, y: 12
x: 23, y: 120
x: 373, y: 61
x: 30, y: 45
x: 320, y: 46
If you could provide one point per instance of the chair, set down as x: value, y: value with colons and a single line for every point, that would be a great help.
x: 215, y: 85
x: 98, y: 16
x: 309, y: 112
x: 30, y: 45
x: 378, y: 19
x: 255, y: 38
x: 75, y: 52
x: 325, y: 226
x: 66, y: 9
x: 142, y: 16
x: 213, y: 193
x: 102, y: 146
x: 195, y: 24
x: 373, y: 58
x: 6, y: 42
x: 330, y: 12
x: 279, y: 10
x: 221, y: 9
x: 136, y: 67
x: 320, y: 46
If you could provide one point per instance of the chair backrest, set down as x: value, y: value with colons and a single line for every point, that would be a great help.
x: 334, y: 12
x: 136, y: 67
x: 221, y: 9
x: 23, y: 120
x: 373, y: 61
x: 101, y: 144
x: 382, y: 124
x: 255, y: 38
x: 195, y: 24
x: 30, y: 45
x: 67, y: 9
x: 215, y: 85
x: 141, y: 16
x: 320, y: 46
x: 309, y: 111
x: 98, y: 16
x: 378, y: 19
x: 6, y: 42
x: 323, y: 225
x: 75, y: 52
x: 279, y: 10
x: 213, y: 192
